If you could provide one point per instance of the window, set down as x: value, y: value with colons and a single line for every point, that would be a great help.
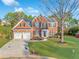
x: 44, y: 25
x: 20, y: 25
x: 37, y: 24
x: 24, y: 24
x: 52, y: 24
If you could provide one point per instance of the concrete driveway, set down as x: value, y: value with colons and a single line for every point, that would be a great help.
x: 14, y: 48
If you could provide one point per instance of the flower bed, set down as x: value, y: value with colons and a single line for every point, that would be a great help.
x: 77, y: 35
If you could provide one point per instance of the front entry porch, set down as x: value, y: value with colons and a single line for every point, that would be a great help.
x: 40, y: 34
x: 45, y: 33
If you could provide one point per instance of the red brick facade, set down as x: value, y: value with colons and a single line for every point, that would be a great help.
x: 39, y: 24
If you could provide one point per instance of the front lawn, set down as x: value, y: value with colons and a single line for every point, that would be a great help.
x: 51, y: 48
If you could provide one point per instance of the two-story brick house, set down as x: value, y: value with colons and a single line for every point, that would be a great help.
x: 38, y: 27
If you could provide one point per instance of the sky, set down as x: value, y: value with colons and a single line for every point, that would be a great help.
x: 30, y: 7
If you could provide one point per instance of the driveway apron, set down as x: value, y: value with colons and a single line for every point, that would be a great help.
x: 14, y: 48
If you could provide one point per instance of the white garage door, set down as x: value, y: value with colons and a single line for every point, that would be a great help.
x: 26, y: 35
x: 22, y: 35
x: 17, y: 35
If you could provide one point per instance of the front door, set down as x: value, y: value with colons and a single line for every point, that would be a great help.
x: 45, y: 33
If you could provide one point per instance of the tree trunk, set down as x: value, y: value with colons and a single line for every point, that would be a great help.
x: 62, y: 31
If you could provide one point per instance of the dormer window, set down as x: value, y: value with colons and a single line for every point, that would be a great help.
x: 20, y: 25
x: 24, y: 24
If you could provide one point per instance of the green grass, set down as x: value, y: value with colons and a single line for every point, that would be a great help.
x: 48, y: 48
x: 53, y: 49
x: 4, y: 35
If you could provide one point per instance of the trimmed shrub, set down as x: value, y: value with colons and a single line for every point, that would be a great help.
x: 73, y: 30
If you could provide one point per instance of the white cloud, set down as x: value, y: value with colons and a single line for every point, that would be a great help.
x: 32, y: 11
x: 28, y: 10
x: 19, y: 9
x: 10, y: 2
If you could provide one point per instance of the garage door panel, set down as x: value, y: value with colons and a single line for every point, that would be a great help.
x: 22, y: 35
x: 17, y: 35
x: 26, y: 36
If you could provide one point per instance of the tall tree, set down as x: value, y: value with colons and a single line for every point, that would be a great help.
x: 13, y: 17
x: 62, y: 9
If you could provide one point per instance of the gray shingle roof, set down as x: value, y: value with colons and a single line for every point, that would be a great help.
x: 29, y: 21
x: 50, y: 19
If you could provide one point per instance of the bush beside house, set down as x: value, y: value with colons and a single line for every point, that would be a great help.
x: 72, y: 31
x: 5, y: 34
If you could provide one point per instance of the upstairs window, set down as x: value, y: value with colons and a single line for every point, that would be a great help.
x: 52, y: 24
x: 44, y: 25
x: 36, y: 24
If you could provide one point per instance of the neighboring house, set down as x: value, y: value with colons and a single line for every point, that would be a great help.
x: 71, y: 23
x: 66, y: 24
x: 4, y: 22
x: 38, y: 27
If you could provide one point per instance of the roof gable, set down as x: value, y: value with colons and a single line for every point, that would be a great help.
x: 29, y: 22
x: 44, y: 19
x: 21, y: 25
x: 40, y: 19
